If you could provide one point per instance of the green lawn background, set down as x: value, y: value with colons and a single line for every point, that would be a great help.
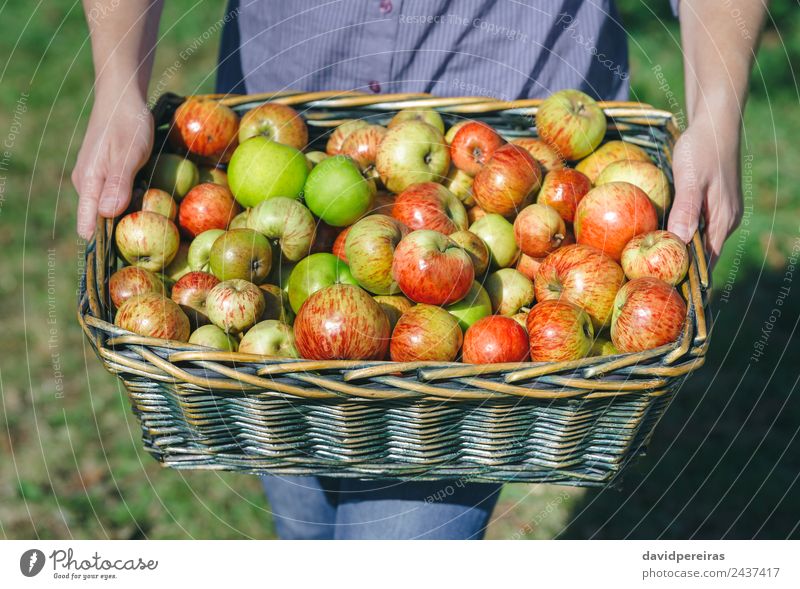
x: 724, y: 461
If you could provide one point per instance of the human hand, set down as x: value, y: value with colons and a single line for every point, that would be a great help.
x: 117, y: 143
x: 706, y: 171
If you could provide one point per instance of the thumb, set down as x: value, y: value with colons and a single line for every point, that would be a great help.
x: 685, y: 215
x: 116, y: 192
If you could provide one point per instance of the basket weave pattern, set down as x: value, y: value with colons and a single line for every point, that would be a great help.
x: 577, y: 423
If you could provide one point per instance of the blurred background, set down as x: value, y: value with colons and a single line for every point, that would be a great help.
x: 724, y: 462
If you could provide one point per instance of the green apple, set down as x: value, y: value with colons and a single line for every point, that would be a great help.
x: 498, y: 235
x: 287, y: 221
x: 179, y: 265
x: 173, y: 174
x: 241, y: 253
x: 279, y: 276
x: 200, y: 249
x: 337, y: 193
x: 240, y: 220
x: 261, y: 169
x: 315, y: 157
x: 426, y: 115
x: 476, y: 305
x: 369, y: 248
x: 412, y: 152
x: 212, y: 336
x: 394, y: 306
x: 270, y: 338
x: 314, y: 273
x: 276, y: 304
x: 509, y: 290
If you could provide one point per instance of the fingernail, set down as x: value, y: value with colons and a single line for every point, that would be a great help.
x: 107, y: 206
x: 681, y: 231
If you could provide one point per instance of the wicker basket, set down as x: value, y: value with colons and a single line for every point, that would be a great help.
x: 574, y: 423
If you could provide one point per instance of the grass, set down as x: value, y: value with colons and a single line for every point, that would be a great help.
x: 724, y: 461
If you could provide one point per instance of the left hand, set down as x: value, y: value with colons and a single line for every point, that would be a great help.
x: 706, y: 170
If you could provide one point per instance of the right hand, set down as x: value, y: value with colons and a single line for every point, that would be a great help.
x: 118, y: 142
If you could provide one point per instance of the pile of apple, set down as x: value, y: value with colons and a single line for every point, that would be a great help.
x: 406, y: 242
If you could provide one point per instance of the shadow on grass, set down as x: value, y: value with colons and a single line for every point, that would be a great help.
x: 724, y: 461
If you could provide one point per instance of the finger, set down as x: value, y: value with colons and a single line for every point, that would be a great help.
x: 116, y: 193
x: 88, y: 188
x: 685, y: 215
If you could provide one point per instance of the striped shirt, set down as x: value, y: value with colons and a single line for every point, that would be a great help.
x: 504, y: 49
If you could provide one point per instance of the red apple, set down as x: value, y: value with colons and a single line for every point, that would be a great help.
x: 609, y: 152
x: 494, y: 340
x: 571, y: 122
x: 529, y: 266
x: 428, y: 205
x: 159, y: 201
x: 508, y: 181
x: 425, y: 332
x: 610, y: 215
x: 235, y: 305
x: 476, y: 248
x: 648, y: 313
x: 341, y: 322
x: 362, y: 146
x: 147, y: 240
x: 207, y: 206
x: 646, y: 175
x: 153, y: 315
x: 431, y: 268
x: 131, y: 281
x: 206, y: 128
x: 547, y: 157
x: 341, y: 133
x: 338, y: 245
x: 563, y: 189
x: 582, y: 275
x: 539, y: 230
x: 658, y: 254
x: 277, y: 122
x: 190, y: 292
x: 383, y: 203
x: 559, y: 331
x: 473, y: 145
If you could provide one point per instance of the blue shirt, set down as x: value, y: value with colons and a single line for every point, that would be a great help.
x: 504, y: 49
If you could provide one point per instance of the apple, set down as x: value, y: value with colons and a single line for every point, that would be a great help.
x: 147, y: 240
x: 152, y: 314
x: 428, y: 205
x: 206, y: 128
x: 159, y: 201
x: 206, y: 206
x: 508, y: 182
x: 340, y: 133
x: 324, y: 237
x: 394, y: 306
x: 474, y: 213
x: 172, y: 173
x: 281, y: 270
x: 341, y: 322
x: 559, y: 331
x: 361, y: 145
x: 261, y: 169
x: 240, y: 220
x: 563, y: 189
x: 412, y: 152
x: 336, y: 192
x: 571, y: 122
x: 338, y: 248
x: 509, y: 290
x: 277, y: 122
x: 287, y: 221
x: 431, y: 268
x: 657, y: 254
x: 498, y: 235
x: 314, y: 157
x: 610, y: 215
x: 529, y: 266
x: 547, y: 157
x: 648, y: 313
x: 646, y: 175
x: 270, y: 338
x: 235, y: 305
x: 582, y: 275
x: 241, y: 253
x: 451, y: 132
x: 424, y: 115
x: 425, y: 332
x: 383, y: 203
x: 131, y: 281
x: 276, y: 304
x: 539, y: 230
x: 212, y: 336
x: 314, y: 273
x: 476, y: 248
x: 213, y: 175
x: 200, y: 249
x: 476, y: 305
x: 179, y: 265
x: 473, y: 146
x: 190, y: 292
x: 370, y: 248
x: 610, y: 152
x: 460, y: 184
x: 602, y: 346
x: 521, y: 318
x: 494, y: 340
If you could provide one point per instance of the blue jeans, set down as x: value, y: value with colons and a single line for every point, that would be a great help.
x: 321, y: 508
